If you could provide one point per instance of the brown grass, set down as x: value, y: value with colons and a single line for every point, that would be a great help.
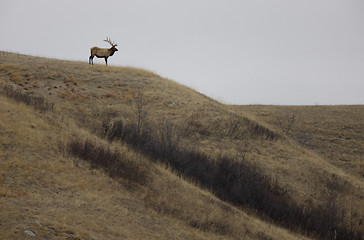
x: 328, y: 140
x: 40, y: 182
x: 334, y: 132
x: 167, y: 205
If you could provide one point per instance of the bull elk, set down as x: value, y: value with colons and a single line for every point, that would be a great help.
x: 103, y: 52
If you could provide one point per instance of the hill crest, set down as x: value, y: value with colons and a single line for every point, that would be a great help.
x: 96, y: 98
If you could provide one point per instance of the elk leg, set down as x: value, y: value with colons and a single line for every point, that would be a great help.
x: 91, y: 59
x: 106, y: 60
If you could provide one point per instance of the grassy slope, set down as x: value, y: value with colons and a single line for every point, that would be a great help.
x: 90, y: 96
x: 40, y: 181
x: 334, y: 132
x: 329, y: 136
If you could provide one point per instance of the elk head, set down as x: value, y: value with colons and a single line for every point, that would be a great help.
x: 113, y: 45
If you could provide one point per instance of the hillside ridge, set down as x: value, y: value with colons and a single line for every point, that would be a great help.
x: 155, y: 122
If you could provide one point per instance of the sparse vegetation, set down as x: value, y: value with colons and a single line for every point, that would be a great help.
x: 125, y: 147
x: 115, y: 164
x: 38, y: 103
x: 238, y: 181
x: 335, y: 132
x: 288, y: 125
x: 229, y: 126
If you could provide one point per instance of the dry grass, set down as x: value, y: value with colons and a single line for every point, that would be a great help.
x: 58, y: 196
x: 41, y: 183
x: 333, y: 132
x: 323, y: 141
x: 165, y: 206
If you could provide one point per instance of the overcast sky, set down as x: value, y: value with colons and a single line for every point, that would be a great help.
x: 239, y: 52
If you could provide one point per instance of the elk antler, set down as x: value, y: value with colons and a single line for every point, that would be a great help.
x: 111, y: 43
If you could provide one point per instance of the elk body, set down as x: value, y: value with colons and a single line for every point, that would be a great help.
x: 102, y: 52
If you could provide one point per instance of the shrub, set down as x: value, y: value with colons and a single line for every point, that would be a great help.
x: 236, y: 181
x: 238, y: 127
x: 37, y: 102
x: 112, y: 162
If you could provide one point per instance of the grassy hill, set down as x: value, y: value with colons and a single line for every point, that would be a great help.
x: 334, y: 132
x: 122, y: 153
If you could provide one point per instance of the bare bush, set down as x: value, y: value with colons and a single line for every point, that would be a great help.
x: 287, y: 125
x: 230, y: 125
x: 242, y: 128
x: 169, y: 138
x: 112, y: 162
x: 141, y: 111
x: 37, y: 102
